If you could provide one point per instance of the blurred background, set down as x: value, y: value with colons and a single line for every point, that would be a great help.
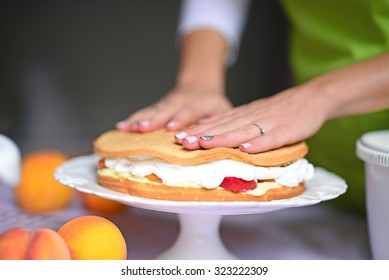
x: 71, y: 69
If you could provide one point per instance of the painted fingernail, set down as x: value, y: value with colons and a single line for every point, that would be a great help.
x: 171, y: 124
x: 145, y: 123
x: 207, y: 137
x: 135, y: 124
x: 181, y: 135
x: 191, y: 139
x: 121, y: 124
x: 245, y: 145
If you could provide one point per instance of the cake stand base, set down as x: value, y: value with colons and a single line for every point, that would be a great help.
x: 198, y: 238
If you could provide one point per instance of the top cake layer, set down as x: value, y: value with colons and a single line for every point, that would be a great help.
x: 161, y: 144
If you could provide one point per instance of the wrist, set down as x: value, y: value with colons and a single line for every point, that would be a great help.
x: 327, y: 100
x: 203, y: 59
x: 213, y: 80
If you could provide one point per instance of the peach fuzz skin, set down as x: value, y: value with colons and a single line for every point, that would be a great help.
x: 38, y: 191
x: 42, y: 244
x: 93, y: 238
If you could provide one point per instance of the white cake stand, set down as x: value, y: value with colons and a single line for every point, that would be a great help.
x: 199, y: 236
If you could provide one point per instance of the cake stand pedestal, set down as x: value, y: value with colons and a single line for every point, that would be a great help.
x: 199, y: 235
x: 198, y: 238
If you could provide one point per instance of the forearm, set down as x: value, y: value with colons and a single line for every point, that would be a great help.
x: 227, y: 17
x: 210, y: 33
x: 202, y: 59
x: 356, y: 89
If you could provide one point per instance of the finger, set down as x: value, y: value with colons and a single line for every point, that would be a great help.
x: 224, y: 136
x: 272, y: 139
x: 181, y: 120
x: 123, y: 125
x: 209, y: 119
x: 197, y: 129
x: 231, y: 138
x: 191, y: 142
x: 209, y: 129
x: 146, y: 120
x: 134, y: 121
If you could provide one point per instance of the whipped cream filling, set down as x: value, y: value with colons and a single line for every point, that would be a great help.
x: 210, y: 174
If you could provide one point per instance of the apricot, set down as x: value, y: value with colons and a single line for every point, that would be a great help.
x: 38, y: 191
x: 93, y: 238
x: 42, y: 244
x: 102, y: 205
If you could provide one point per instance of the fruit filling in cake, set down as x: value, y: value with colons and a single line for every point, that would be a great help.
x: 226, y: 174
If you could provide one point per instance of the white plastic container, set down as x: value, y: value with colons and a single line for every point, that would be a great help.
x: 10, y: 162
x: 373, y: 149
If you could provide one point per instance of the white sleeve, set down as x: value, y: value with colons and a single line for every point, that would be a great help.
x: 228, y: 17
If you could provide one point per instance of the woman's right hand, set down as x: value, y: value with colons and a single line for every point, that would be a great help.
x: 179, y: 108
x: 199, y: 90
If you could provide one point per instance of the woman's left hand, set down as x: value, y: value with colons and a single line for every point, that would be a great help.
x: 285, y: 118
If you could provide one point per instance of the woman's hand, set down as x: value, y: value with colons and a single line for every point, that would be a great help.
x: 182, y: 106
x: 265, y: 124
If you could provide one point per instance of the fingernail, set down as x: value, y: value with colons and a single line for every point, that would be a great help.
x: 145, y: 123
x: 245, y: 145
x: 121, y: 124
x: 181, y: 135
x: 207, y: 137
x: 171, y: 124
x: 191, y: 139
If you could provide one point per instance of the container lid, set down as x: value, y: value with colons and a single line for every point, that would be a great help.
x: 374, y: 147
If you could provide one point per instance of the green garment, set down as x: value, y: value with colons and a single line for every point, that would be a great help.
x: 327, y: 35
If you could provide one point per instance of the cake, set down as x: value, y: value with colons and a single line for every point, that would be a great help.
x: 152, y: 165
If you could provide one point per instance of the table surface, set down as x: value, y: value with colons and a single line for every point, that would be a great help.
x: 315, y: 232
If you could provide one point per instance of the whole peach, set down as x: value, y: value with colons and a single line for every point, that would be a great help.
x: 38, y: 191
x: 42, y: 244
x: 93, y: 238
x: 102, y: 205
